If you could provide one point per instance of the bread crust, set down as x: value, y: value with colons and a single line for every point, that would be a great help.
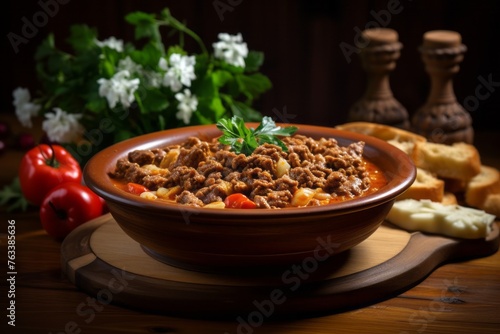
x: 492, y: 204
x: 449, y: 198
x: 381, y: 131
x: 485, y: 183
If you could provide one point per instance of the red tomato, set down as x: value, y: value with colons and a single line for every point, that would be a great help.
x: 67, y: 206
x: 44, y: 167
x: 239, y: 201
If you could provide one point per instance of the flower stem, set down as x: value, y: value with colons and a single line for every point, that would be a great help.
x: 50, y: 161
x: 176, y: 24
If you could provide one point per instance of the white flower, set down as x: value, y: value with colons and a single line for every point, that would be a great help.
x: 163, y: 64
x: 62, y: 127
x: 118, y: 88
x: 112, y: 43
x: 153, y: 78
x: 180, y: 72
x: 187, y: 104
x: 25, y: 109
x: 129, y: 65
x: 231, y: 49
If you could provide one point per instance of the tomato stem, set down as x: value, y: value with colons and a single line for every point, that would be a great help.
x: 61, y: 214
x: 52, y: 162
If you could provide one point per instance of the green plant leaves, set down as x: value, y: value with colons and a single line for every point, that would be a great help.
x: 82, y: 38
x: 253, y: 85
x: 12, y: 197
x: 155, y: 101
x: 145, y: 24
x: 254, y: 61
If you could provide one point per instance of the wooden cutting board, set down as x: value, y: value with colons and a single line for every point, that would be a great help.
x: 99, y: 258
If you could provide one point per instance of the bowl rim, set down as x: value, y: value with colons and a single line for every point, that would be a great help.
x: 93, y: 171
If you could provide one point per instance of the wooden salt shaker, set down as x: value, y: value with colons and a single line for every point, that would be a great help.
x: 442, y: 119
x: 379, y: 53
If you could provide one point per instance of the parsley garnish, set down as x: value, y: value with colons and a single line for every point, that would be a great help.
x: 245, y: 140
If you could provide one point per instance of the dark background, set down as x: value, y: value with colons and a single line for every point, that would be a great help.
x: 312, y: 79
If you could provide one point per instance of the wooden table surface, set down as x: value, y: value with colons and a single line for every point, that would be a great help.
x: 461, y: 297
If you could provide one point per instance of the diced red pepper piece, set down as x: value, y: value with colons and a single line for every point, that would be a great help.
x: 136, y: 188
x: 239, y: 201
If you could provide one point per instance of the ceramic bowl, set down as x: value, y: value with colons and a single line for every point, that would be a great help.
x: 232, y: 239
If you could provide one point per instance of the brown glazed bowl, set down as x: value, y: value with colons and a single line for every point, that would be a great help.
x: 234, y: 239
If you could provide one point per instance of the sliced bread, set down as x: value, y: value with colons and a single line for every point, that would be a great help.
x: 425, y: 186
x: 381, y: 131
x: 480, y: 186
x: 492, y: 204
x: 458, y: 161
x: 449, y: 198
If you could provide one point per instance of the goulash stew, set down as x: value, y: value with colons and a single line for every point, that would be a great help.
x: 208, y: 174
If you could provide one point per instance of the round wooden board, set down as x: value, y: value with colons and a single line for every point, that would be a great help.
x: 99, y: 258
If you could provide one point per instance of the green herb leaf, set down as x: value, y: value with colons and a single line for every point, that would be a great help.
x: 245, y: 140
x: 12, y: 197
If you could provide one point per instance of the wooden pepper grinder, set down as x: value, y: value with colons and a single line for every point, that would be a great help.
x: 442, y: 119
x: 378, y: 57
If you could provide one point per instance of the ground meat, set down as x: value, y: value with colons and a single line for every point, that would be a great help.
x: 305, y: 178
x: 261, y: 202
x: 239, y: 162
x: 190, y: 157
x: 303, y: 152
x: 286, y: 183
x: 158, y: 156
x: 279, y: 199
x: 187, y: 197
x: 213, y: 193
x: 141, y: 157
x: 209, y: 172
x: 272, y: 151
x: 122, y: 166
x: 225, y: 158
x: 261, y: 187
x: 187, y: 177
x: 263, y: 162
x: 153, y: 182
x: 135, y: 173
x: 209, y: 167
